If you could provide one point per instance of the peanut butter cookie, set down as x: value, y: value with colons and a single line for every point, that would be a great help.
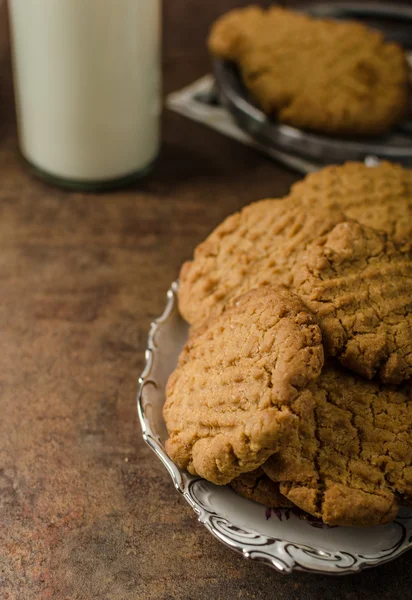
x: 251, y: 248
x: 349, y: 460
x: 228, y: 401
x: 380, y: 197
x: 330, y: 76
x: 359, y: 285
x: 257, y: 486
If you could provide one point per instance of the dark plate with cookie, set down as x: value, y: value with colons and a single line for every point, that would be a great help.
x: 346, y: 99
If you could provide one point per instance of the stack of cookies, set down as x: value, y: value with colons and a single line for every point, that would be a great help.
x: 295, y: 384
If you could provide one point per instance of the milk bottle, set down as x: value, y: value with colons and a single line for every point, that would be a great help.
x: 87, y: 85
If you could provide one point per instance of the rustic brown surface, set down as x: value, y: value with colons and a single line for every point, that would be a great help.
x: 86, y: 510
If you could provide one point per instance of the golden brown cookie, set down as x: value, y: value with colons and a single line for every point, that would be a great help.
x: 251, y: 248
x: 359, y: 285
x: 257, y: 486
x: 380, y: 197
x: 330, y: 76
x: 349, y: 461
x: 228, y: 401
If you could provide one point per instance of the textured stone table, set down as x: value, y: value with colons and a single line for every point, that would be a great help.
x: 86, y: 510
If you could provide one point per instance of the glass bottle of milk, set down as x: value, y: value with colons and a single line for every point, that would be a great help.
x: 87, y: 85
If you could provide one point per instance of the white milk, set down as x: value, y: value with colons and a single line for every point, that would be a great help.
x: 87, y: 81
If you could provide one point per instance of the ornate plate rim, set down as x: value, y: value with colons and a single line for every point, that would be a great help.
x: 221, y: 527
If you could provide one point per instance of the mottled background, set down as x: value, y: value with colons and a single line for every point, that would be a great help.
x: 86, y: 510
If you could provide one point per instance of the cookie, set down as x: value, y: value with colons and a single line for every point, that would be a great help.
x: 228, y: 401
x: 349, y: 460
x: 380, y: 197
x: 359, y: 285
x: 257, y: 486
x: 251, y: 248
x: 336, y: 77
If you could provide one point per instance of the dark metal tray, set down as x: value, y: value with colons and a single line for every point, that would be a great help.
x: 395, y: 21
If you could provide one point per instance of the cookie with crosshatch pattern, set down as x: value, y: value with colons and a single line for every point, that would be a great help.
x: 378, y: 196
x: 229, y: 400
x: 257, y: 246
x: 359, y: 286
x: 349, y: 461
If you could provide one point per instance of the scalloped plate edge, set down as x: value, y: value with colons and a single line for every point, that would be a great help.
x: 183, y: 483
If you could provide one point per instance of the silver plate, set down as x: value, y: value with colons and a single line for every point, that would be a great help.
x: 278, y: 538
